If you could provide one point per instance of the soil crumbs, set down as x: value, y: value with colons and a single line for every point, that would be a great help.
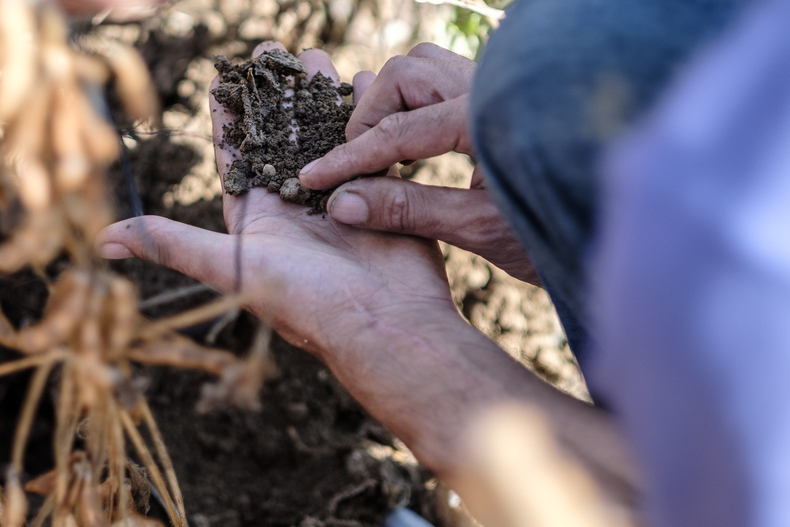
x: 279, y: 129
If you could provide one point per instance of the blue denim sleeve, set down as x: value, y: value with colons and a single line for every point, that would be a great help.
x: 692, y: 284
x: 558, y: 79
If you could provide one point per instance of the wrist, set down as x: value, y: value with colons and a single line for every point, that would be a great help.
x: 423, y: 373
x: 400, y: 367
x: 379, y: 328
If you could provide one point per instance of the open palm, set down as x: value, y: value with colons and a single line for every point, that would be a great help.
x: 319, y: 283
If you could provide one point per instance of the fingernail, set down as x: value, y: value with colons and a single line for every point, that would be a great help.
x: 349, y: 208
x: 114, y: 251
x: 309, y: 166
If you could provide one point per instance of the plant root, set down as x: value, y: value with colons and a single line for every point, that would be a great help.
x: 54, y: 152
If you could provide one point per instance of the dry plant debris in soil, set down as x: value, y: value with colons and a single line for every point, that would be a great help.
x: 283, y: 121
x: 53, y: 202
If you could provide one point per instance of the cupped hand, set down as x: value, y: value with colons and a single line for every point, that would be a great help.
x: 319, y: 283
x: 374, y: 306
x: 414, y: 109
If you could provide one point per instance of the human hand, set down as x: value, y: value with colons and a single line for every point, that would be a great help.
x: 414, y: 109
x: 374, y: 306
x: 332, y: 281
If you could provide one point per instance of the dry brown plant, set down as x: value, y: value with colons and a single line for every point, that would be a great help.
x: 55, y: 150
x: 519, y: 475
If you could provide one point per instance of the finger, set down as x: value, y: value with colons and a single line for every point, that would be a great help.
x: 316, y: 60
x: 427, y: 50
x: 204, y: 255
x: 362, y: 82
x: 267, y: 45
x: 465, y: 218
x: 477, y: 178
x: 406, y: 83
x: 468, y: 219
x: 418, y: 134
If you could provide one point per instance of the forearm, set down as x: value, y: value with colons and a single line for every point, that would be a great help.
x: 427, y: 376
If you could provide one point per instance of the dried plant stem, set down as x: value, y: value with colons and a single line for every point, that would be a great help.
x: 164, y: 457
x: 221, y: 324
x: 28, y: 412
x: 170, y: 296
x: 190, y: 318
x: 54, y: 150
x: 96, y: 438
x: 30, y: 362
x: 150, y: 465
x: 44, y: 512
x: 173, y: 132
x: 117, y: 463
x: 183, y: 353
x: 7, y: 332
x: 67, y: 415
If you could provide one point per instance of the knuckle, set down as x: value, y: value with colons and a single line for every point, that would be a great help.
x: 396, y: 213
x: 394, y: 66
x: 153, y: 241
x: 355, y: 128
x: 155, y: 248
x: 424, y: 49
x: 388, y: 126
x: 393, y: 128
x: 340, y: 156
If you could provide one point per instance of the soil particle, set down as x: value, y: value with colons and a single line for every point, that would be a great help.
x: 278, y: 133
x: 284, y: 63
x: 293, y: 191
x: 237, y: 179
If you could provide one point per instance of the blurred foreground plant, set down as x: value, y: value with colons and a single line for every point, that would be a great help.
x: 53, y: 202
x: 518, y: 474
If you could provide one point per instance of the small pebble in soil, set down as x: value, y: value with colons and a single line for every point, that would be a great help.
x: 293, y: 191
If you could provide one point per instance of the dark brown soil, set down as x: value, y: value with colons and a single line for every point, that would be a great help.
x: 257, y: 91
x: 304, y: 459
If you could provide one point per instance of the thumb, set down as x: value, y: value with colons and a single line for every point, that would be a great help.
x: 204, y: 255
x: 462, y: 217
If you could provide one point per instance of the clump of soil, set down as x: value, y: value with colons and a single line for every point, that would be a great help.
x: 279, y: 128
